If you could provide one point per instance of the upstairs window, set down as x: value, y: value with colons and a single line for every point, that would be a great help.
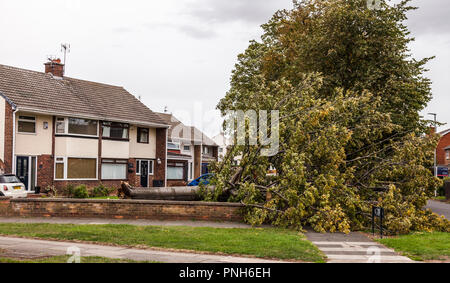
x: 60, y: 125
x: 27, y: 124
x: 173, y: 146
x: 76, y: 126
x: 187, y: 148
x: 118, y: 131
x: 205, y: 150
x: 83, y: 127
x: 447, y: 154
x: 143, y: 135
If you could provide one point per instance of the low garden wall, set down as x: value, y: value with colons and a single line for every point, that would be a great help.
x: 121, y: 209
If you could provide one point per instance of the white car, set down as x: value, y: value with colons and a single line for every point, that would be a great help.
x: 11, y: 186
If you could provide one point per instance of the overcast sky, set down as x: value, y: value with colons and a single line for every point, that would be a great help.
x: 177, y: 53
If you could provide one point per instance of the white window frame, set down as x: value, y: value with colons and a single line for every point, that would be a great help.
x: 28, y: 121
x: 184, y: 148
x: 150, y: 162
x: 447, y: 154
x: 115, y: 162
x: 66, y: 128
x: 66, y: 168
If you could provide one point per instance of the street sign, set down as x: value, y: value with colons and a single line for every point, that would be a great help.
x: 443, y: 172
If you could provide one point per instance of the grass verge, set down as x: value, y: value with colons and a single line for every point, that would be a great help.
x: 421, y: 246
x: 258, y: 242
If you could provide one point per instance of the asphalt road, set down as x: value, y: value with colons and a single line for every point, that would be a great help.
x: 440, y: 208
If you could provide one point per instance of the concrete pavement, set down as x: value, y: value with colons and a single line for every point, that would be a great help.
x: 353, y: 248
x: 440, y: 208
x: 139, y: 222
x: 29, y: 248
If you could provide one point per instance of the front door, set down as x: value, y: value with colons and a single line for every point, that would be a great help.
x: 22, y: 170
x: 144, y: 174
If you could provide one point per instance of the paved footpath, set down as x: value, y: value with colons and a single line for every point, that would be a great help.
x: 354, y: 248
x: 29, y: 248
x: 139, y: 222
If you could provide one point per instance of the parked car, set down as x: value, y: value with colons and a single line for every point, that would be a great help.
x: 204, y: 179
x: 11, y: 186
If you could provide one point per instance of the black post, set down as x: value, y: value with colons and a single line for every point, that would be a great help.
x: 373, y: 220
x: 381, y: 222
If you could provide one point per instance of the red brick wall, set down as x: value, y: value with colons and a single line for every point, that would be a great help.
x: 197, y: 161
x: 122, y: 209
x: 161, y: 152
x: 8, y: 138
x: 176, y: 183
x: 45, y: 171
x: 443, y: 143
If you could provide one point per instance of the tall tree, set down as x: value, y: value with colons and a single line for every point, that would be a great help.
x: 349, y: 95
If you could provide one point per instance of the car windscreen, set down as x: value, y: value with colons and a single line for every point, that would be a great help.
x: 9, y: 180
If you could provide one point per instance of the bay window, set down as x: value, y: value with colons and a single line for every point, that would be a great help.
x: 76, y: 126
x: 69, y: 168
x: 173, y: 146
x: 176, y: 171
x: 113, y: 169
x: 81, y: 168
x: 118, y: 131
x: 59, y: 168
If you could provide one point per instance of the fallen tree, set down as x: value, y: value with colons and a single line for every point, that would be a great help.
x: 176, y: 193
x: 351, y: 137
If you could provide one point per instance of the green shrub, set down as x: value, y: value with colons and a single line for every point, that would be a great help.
x: 101, y: 191
x: 81, y: 192
x: 69, y: 190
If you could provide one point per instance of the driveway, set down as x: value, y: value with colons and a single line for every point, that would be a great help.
x: 440, y: 208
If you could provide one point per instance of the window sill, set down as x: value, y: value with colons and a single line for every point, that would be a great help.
x: 75, y: 136
x: 114, y: 139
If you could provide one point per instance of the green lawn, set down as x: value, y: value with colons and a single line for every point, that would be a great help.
x: 63, y: 259
x: 421, y: 246
x: 104, y: 197
x: 261, y: 242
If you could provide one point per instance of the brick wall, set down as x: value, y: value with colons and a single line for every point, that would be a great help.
x: 45, y: 171
x: 122, y: 209
x: 8, y: 138
x: 176, y: 183
x: 197, y: 161
x: 443, y: 143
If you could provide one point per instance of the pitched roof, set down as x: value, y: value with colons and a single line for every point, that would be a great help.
x: 443, y: 133
x: 42, y: 93
x: 180, y: 131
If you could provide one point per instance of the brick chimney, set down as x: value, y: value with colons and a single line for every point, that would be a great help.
x: 55, y: 67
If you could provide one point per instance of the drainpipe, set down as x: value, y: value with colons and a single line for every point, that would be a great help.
x: 13, y: 169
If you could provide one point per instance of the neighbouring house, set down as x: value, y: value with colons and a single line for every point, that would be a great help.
x: 189, y: 152
x: 58, y: 130
x: 443, y: 153
x: 223, y: 143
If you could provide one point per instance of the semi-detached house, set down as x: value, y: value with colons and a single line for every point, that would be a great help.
x: 56, y: 130
x: 189, y: 152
